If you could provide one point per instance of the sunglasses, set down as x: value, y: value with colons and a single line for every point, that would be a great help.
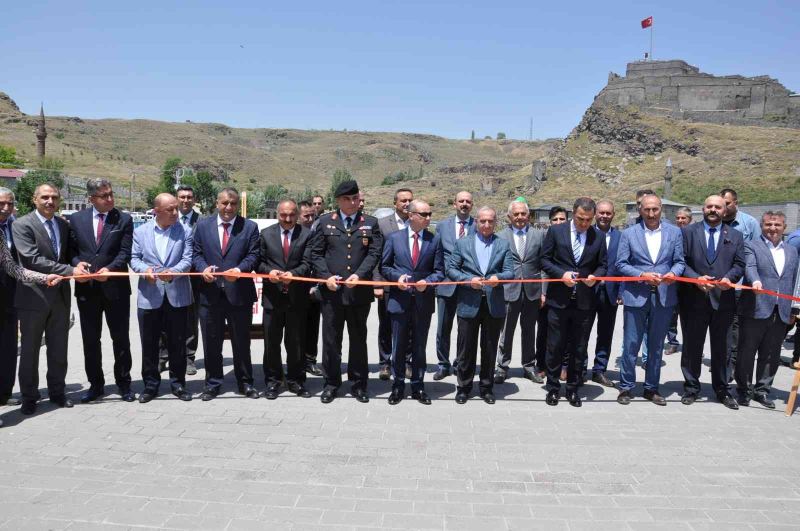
x: 423, y: 214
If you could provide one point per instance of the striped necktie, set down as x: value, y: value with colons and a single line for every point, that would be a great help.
x: 576, y: 247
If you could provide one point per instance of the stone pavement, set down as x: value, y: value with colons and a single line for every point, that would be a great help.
x: 236, y: 463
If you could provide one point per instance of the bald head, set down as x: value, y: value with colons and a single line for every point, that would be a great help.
x: 165, y: 209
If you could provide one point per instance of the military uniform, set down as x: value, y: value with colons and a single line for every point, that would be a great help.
x: 337, y: 250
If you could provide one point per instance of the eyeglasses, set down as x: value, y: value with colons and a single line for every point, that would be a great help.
x: 423, y: 214
x: 7, y: 203
x: 105, y: 196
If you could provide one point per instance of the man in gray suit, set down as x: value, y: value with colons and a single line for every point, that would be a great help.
x: 770, y: 265
x: 482, y: 260
x: 450, y: 230
x: 162, y: 247
x: 44, y: 244
x: 398, y: 220
x: 522, y: 300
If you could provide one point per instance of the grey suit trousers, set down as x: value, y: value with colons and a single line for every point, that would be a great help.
x: 53, y: 322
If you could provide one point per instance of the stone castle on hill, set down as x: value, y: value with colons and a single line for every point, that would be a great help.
x: 677, y: 89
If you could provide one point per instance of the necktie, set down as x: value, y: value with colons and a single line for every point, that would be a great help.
x: 462, y: 230
x: 576, y: 248
x: 520, y: 243
x: 348, y: 223
x: 99, y: 226
x: 225, y: 236
x: 185, y: 220
x: 52, y: 232
x: 415, y: 250
x: 286, y: 245
x: 711, y: 251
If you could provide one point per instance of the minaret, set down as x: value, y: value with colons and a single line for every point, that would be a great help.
x: 41, y: 134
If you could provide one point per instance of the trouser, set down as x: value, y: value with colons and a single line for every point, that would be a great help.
x: 287, y: 323
x: 213, y: 321
x: 541, y: 339
x: 191, y: 335
x: 334, y: 317
x: 606, y: 320
x: 571, y: 327
x: 467, y: 343
x: 445, y: 315
x: 672, y: 333
x: 9, y: 325
x: 409, y: 327
x: 53, y: 322
x: 525, y: 311
x: 733, y: 339
x: 762, y: 337
x: 695, y: 322
x: 653, y: 318
x: 92, y: 306
x: 384, y: 334
x: 310, y: 339
x: 170, y: 321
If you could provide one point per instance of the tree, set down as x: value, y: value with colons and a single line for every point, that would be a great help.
x: 501, y: 136
x: 472, y: 137
x: 8, y: 158
x: 27, y: 185
x: 205, y: 190
x: 167, y: 182
x: 339, y: 176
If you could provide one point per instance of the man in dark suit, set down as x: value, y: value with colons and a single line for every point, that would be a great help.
x: 557, y: 215
x: 346, y: 246
x: 226, y: 243
x: 188, y: 217
x: 572, y: 251
x: 413, y: 257
x: 103, y: 237
x: 713, y: 251
x: 310, y: 340
x: 394, y: 222
x: 523, y: 301
x: 607, y: 294
x: 44, y: 244
x: 450, y: 230
x: 9, y: 324
x: 770, y: 265
x: 481, y: 259
x: 285, y: 253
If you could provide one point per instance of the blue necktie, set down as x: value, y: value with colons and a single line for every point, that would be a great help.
x: 348, y: 223
x: 711, y: 251
x: 52, y: 232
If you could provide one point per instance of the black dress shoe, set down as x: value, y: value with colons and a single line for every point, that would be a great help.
x: 764, y: 400
x: 532, y: 375
x: 385, y: 373
x: 8, y: 401
x: 272, y: 392
x: 441, y: 374
x: 395, y: 397
x: 624, y: 398
x: 327, y: 396
x: 126, y: 395
x: 360, y: 395
x: 688, y: 399
x: 208, y: 394
x: 488, y: 398
x: 552, y: 398
x: 61, y: 401
x: 500, y: 376
x: 727, y: 401
x: 655, y: 398
x: 182, y: 394
x: 249, y: 391
x: 90, y: 396
x: 299, y: 390
x: 28, y: 407
x: 602, y: 379
x: 743, y: 400
x: 146, y: 396
x: 313, y: 369
x: 461, y: 398
x: 574, y: 399
x: 421, y: 397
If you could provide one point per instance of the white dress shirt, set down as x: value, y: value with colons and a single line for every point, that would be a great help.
x: 401, y: 223
x: 778, y: 254
x: 96, y: 220
x: 221, y: 229
x: 458, y: 227
x: 161, y: 238
x: 653, y: 240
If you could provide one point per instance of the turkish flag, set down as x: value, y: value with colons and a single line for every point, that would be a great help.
x: 646, y: 23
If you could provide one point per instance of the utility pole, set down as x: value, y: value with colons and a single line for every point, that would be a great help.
x: 131, y: 204
x: 668, y: 179
x: 530, y: 133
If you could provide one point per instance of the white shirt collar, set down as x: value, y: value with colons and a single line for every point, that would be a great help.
x: 657, y: 229
x: 220, y: 221
x: 770, y: 245
x: 399, y: 220
x: 42, y: 218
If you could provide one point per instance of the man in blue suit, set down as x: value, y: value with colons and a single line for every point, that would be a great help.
x: 653, y: 251
x: 162, y: 247
x: 450, y: 230
x: 413, y: 257
x: 482, y: 260
x: 226, y: 243
x: 770, y: 265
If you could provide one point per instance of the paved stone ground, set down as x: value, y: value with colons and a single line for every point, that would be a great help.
x: 236, y: 463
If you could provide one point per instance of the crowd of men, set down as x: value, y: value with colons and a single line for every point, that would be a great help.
x: 468, y: 272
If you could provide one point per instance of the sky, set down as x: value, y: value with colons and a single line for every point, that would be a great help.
x: 437, y: 67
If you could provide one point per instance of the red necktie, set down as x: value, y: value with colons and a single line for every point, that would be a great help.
x: 225, y: 236
x: 461, y: 231
x: 415, y: 250
x: 99, y: 226
x: 286, y: 246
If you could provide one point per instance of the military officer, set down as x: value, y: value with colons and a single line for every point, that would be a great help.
x: 346, y: 247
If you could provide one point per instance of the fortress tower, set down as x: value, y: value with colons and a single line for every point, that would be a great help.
x: 41, y: 134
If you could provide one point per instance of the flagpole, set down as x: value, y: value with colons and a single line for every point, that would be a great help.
x: 651, y: 41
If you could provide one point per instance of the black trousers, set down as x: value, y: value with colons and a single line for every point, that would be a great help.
x: 213, y: 321
x: 334, y: 317
x: 384, y: 333
x: 445, y: 315
x: 733, y: 339
x: 762, y: 337
x: 525, y: 311
x: 284, y: 323
x: 488, y: 328
x: 606, y: 320
x: 311, y: 337
x: 8, y: 351
x: 696, y: 320
x: 568, y: 332
x: 54, y: 324
x: 92, y: 306
x: 191, y: 334
x: 541, y: 339
x: 409, y: 329
x: 170, y: 321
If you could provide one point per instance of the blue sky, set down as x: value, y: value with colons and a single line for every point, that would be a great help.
x: 444, y: 68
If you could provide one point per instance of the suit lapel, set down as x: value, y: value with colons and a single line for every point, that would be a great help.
x: 112, y: 218
x: 766, y: 250
x: 38, y: 226
x: 642, y: 239
x: 171, y: 241
x: 63, y: 236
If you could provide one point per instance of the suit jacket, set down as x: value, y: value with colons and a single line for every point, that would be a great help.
x: 387, y: 226
x: 557, y: 259
x: 728, y: 263
x: 335, y: 251
x: 241, y: 252
x: 298, y: 264
x: 633, y: 259
x: 35, y: 252
x: 761, y: 266
x: 396, y: 262
x: 446, y: 229
x: 178, y: 259
x: 113, y: 251
x: 526, y: 266
x: 463, y: 266
x: 8, y: 284
x: 611, y: 288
